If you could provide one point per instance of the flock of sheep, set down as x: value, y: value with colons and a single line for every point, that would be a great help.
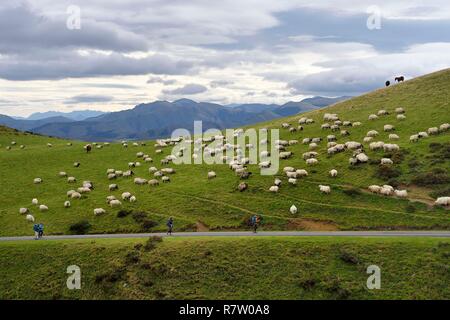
x: 239, y: 163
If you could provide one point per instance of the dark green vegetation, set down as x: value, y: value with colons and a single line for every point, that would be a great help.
x: 227, y: 268
x: 198, y: 203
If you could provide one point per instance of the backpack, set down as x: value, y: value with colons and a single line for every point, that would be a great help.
x: 36, y: 228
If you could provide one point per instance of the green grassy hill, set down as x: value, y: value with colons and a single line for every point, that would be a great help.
x: 222, y: 268
x: 198, y: 203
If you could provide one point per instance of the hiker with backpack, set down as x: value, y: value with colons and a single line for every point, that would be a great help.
x: 36, y: 231
x: 255, y: 222
x: 41, y: 230
x: 170, y: 226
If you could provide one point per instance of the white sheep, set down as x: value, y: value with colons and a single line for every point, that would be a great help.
x: 414, y: 138
x: 385, y: 191
x: 393, y: 136
x: 211, y: 175
x: 362, y: 157
x: 401, y: 193
x: 273, y: 189
x: 324, y: 189
x: 292, y: 181
x: 62, y: 174
x: 115, y: 203
x: 433, y: 130
x: 67, y: 204
x: 444, y: 127
x: 422, y: 134
x: 302, y: 172
x: 353, y: 145
x: 374, y: 188
x: 313, y: 146
x: 43, y: 208
x: 367, y: 139
x: 29, y: 218
x: 140, y: 181
x: 376, y: 145
x: 401, y: 117
x: 373, y: 117
x: 372, y: 133
x: 312, y: 161
x: 37, y: 180
x: 356, y: 124
x: 165, y: 179
x: 126, y: 195
x: 293, y: 209
x: 132, y: 199
x: 399, y: 110
x: 109, y: 171
x: 23, y: 210
x: 442, y: 201
x: 386, y: 161
x: 75, y: 195
x: 99, y: 211
x: 388, y: 127
x: 388, y: 147
x: 277, y: 182
x: 153, y: 182
x: 71, y: 179
x: 35, y: 201
x: 382, y: 112
x: 113, y: 187
x: 333, y: 173
x: 291, y: 174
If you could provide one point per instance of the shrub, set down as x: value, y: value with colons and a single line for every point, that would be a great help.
x: 151, y: 243
x: 443, y: 192
x: 352, y: 192
x: 396, y: 156
x: 132, y: 257
x: 147, y: 224
x: 80, y: 227
x: 139, y: 216
x: 112, y: 276
x: 123, y: 213
x: 435, y: 147
x: 394, y: 182
x: 410, y: 208
x: 387, y: 172
x: 431, y: 178
x: 348, y: 257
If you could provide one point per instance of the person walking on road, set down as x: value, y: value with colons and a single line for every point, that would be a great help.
x: 41, y: 230
x: 169, y: 226
x: 255, y: 222
x: 36, y: 231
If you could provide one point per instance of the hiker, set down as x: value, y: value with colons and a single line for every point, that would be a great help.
x: 36, y: 231
x: 41, y: 230
x: 170, y: 226
x: 255, y: 221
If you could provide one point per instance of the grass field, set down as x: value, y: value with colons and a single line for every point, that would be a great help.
x: 197, y: 203
x: 227, y: 268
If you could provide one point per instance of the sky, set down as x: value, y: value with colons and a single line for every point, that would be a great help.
x: 111, y: 55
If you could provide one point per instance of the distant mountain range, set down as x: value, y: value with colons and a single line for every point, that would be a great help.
x: 157, y: 119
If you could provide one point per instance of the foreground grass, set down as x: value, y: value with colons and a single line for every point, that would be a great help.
x: 227, y: 268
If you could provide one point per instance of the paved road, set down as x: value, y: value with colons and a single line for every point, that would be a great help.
x: 440, y: 234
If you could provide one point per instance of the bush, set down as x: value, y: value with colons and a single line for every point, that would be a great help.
x: 443, y: 192
x: 147, y: 224
x: 112, y: 276
x: 435, y: 147
x: 139, y: 216
x: 396, y: 156
x: 348, y: 257
x: 393, y: 182
x: 431, y: 178
x: 387, y: 172
x: 151, y: 243
x: 352, y: 192
x: 132, y: 257
x: 123, y: 213
x: 81, y: 227
x: 410, y: 208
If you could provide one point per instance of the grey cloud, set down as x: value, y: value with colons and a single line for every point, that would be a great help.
x: 88, y: 99
x: 220, y: 83
x: 188, y: 89
x: 161, y: 80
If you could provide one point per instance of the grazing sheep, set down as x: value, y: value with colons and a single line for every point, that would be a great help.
x: 331, y: 144
x: 352, y: 161
x: 70, y: 192
x: 444, y: 127
x: 442, y: 201
x: 126, y: 195
x: 211, y: 175
x: 49, y: 145
x: 292, y: 142
x: 393, y: 136
x: 383, y: 113
x: 140, y: 181
x: 158, y: 174
x: 362, y: 157
x: 128, y: 173
x: 374, y: 188
x: 110, y: 198
x: 165, y: 179
x: 62, y: 174
x: 293, y: 209
x: 422, y: 134
x: 401, y: 117
x: 414, y: 138
x: 356, y: 124
x: 376, y: 145
x: 347, y: 124
x: 345, y: 133
x: 386, y: 161
x: 292, y: 181
x: 113, y: 187
x: 115, y: 203
x: 399, y: 110
x: 372, y: 133
x: 152, y: 169
x: 331, y: 138
x: 306, y: 140
x: 333, y: 173
x: 118, y: 173
x: 71, y: 179
x: 132, y: 199
x: 37, y: 180
x: 8, y: 148
x: 367, y: 139
x: 99, y: 211
x: 313, y: 146
x: 291, y: 174
x: 264, y: 154
x: 76, y: 164
x: 67, y: 204
x: 273, y: 189
x: 75, y: 195
x: 153, y: 182
x: 325, y: 126
x: 433, y: 130
x: 29, y: 218
x: 43, y: 208
x: 242, y: 186
x: 264, y: 164
x: 388, y: 147
x: 168, y: 170
x: 353, y: 145
x: 23, y: 210
x: 83, y: 190
x: 277, y: 182
x: 388, y: 127
x: 35, y: 201
x: 301, y: 173
x: 324, y: 189
x: 140, y: 154
x: 373, y: 117
x: 401, y: 193
x: 312, y: 161
x: 386, y: 191
x: 309, y: 155
x: 109, y: 171
x: 112, y: 176
x: 334, y: 127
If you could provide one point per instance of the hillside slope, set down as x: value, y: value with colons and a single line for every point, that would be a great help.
x: 199, y: 203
